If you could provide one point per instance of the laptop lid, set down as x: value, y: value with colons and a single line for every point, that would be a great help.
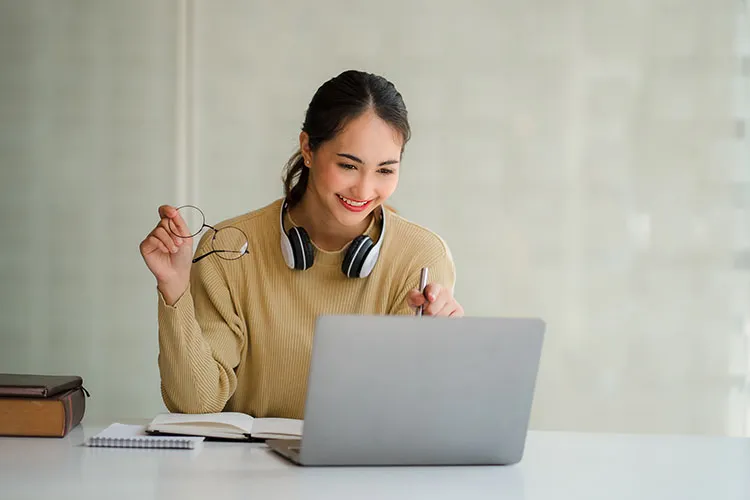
x: 401, y: 390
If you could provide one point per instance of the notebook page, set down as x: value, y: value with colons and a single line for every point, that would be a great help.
x: 281, y: 427
x: 241, y: 421
x: 122, y: 431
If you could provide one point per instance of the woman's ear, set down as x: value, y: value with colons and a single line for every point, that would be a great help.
x: 304, y: 147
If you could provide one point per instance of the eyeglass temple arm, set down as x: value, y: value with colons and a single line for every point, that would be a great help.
x: 203, y: 256
x: 216, y: 251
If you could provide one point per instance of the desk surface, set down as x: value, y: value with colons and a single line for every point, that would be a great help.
x: 557, y: 465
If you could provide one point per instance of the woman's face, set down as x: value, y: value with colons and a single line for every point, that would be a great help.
x: 356, y: 171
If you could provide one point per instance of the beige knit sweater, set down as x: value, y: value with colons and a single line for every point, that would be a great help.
x: 240, y: 338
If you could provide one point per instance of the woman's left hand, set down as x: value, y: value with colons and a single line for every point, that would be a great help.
x: 437, y: 301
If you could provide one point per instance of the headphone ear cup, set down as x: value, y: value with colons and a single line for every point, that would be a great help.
x: 356, y: 255
x: 287, y: 251
x: 368, y: 264
x: 301, y: 248
x: 308, y: 247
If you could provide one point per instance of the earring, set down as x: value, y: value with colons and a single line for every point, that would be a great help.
x: 307, y: 162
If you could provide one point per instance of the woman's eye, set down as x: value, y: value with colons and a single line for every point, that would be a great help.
x: 386, y: 171
x: 347, y: 166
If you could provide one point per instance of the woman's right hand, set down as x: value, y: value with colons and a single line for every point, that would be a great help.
x: 167, y: 256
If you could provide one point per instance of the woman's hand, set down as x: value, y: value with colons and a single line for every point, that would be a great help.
x: 167, y: 256
x: 437, y: 301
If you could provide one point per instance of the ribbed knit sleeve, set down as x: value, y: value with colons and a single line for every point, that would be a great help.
x: 441, y: 270
x: 201, y: 341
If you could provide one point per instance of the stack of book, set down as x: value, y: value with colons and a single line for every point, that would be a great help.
x: 40, y: 405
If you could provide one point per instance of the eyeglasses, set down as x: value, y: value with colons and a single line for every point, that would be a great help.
x: 229, y: 243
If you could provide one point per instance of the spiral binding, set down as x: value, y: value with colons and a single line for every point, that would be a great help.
x: 141, y: 442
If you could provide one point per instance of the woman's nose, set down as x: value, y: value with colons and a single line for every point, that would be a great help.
x: 362, y: 190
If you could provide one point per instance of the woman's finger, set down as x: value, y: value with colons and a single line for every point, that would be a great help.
x: 167, y: 211
x: 415, y: 299
x: 457, y: 312
x: 436, y: 306
x: 177, y: 225
x: 166, y: 238
x: 151, y: 244
x: 167, y: 224
x: 182, y: 226
x: 432, y: 291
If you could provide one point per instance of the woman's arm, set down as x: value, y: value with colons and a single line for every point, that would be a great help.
x: 201, y: 341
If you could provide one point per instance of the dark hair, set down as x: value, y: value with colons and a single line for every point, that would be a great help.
x: 335, y: 103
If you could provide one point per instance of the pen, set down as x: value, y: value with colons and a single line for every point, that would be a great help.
x: 422, y: 285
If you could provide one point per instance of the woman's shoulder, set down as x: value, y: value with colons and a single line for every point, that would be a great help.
x: 262, y: 216
x: 410, y: 236
x: 256, y: 223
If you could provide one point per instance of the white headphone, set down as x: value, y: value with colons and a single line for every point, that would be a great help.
x: 359, y: 260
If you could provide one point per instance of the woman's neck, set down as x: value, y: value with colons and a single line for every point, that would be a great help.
x: 324, y: 230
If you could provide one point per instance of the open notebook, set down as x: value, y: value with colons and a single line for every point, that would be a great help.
x: 225, y: 425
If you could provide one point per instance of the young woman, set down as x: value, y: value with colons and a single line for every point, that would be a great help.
x: 235, y: 334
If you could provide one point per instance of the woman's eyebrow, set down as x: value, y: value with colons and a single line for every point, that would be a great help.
x: 354, y: 158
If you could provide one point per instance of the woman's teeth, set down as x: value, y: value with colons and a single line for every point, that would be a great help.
x: 353, y: 203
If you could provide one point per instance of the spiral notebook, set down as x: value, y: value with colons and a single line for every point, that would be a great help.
x: 135, y: 436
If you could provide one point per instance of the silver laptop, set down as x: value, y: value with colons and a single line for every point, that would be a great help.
x: 408, y: 390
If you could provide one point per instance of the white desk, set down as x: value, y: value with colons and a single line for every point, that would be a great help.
x: 556, y: 466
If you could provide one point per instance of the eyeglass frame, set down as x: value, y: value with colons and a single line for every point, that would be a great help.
x: 213, y: 238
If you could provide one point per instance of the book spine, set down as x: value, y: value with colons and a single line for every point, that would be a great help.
x: 75, y: 407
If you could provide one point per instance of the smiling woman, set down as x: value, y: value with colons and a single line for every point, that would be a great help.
x: 236, y: 335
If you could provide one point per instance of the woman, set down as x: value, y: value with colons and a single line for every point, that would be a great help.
x: 236, y: 335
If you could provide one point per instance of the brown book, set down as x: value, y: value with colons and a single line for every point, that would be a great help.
x: 40, y: 405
